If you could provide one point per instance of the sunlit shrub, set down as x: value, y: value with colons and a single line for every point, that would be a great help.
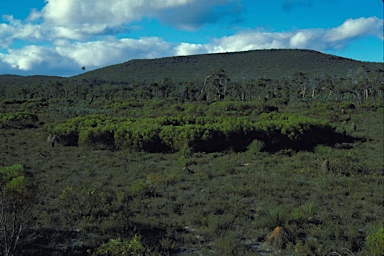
x: 156, y: 179
x: 19, y: 120
x: 256, y: 146
x: 118, y: 247
x: 203, y: 133
x: 375, y: 243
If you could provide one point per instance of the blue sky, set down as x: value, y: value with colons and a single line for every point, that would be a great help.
x: 58, y: 37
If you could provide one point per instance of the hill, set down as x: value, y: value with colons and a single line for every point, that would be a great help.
x: 15, y: 80
x: 273, y: 64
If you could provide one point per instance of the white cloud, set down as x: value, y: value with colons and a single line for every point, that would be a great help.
x: 89, y: 17
x: 28, y: 57
x: 190, y: 49
x: 102, y: 53
x: 18, y: 30
x: 80, y: 20
x: 243, y: 41
x: 308, y: 38
x: 159, y: 4
x: 5, y: 32
x: 34, y: 15
x: 250, y: 40
x: 68, y: 55
x: 353, y: 28
x: 316, y: 39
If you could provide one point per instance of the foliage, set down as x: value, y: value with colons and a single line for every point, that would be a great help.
x: 375, y: 242
x: 308, y: 209
x: 19, y: 119
x: 117, y: 247
x: 270, y: 63
x: 255, y: 146
x: 276, y: 217
x: 209, y: 133
x: 16, y: 201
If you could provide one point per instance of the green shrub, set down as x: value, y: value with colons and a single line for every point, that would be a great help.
x: 156, y: 179
x: 19, y: 119
x: 308, y: 209
x: 17, y: 198
x: 255, y: 146
x: 228, y: 245
x: 345, y: 163
x: 138, y: 187
x: 117, y: 247
x: 205, y: 133
x: 323, y: 151
x: 375, y: 243
x: 276, y: 217
x: 305, y: 212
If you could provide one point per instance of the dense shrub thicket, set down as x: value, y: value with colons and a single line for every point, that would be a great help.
x: 208, y: 134
x: 19, y: 120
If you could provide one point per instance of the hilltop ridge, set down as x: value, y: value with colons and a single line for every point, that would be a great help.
x: 240, y: 66
x: 273, y: 64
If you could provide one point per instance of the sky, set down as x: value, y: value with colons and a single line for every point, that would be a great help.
x: 59, y: 37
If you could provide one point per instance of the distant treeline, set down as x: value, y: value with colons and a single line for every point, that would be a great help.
x: 362, y: 86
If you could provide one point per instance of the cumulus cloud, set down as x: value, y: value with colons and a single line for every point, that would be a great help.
x: 80, y: 20
x: 190, y: 49
x: 15, y: 29
x: 69, y: 56
x: 353, y: 28
x: 250, y: 40
x: 245, y: 41
x: 88, y: 17
x: 34, y: 15
x: 76, y: 19
x: 102, y: 53
x: 316, y: 39
x: 29, y: 57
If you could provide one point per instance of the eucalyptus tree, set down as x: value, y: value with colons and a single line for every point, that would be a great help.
x: 215, y: 85
x: 301, y: 82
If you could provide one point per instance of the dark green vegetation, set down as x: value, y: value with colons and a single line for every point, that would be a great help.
x: 265, y: 165
x: 199, y: 134
x: 240, y: 66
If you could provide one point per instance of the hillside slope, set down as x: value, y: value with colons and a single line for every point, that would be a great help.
x: 274, y: 64
x: 15, y: 80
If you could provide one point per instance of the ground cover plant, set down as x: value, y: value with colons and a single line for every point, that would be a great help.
x: 221, y: 167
